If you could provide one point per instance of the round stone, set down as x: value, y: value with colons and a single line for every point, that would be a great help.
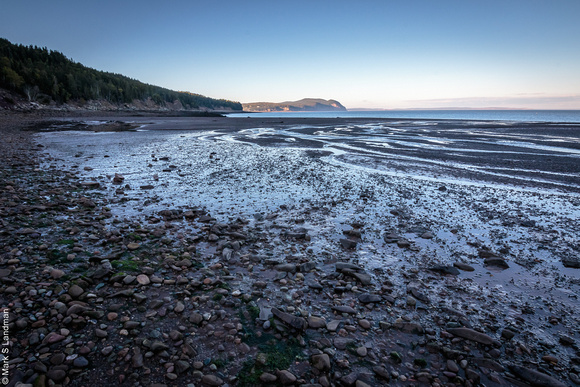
x: 143, y: 279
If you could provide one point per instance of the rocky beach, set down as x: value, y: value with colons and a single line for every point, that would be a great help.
x: 231, y: 251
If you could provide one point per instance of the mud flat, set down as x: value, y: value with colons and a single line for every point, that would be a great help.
x: 235, y: 251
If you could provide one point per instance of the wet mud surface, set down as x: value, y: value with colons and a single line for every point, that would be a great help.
x: 367, y: 251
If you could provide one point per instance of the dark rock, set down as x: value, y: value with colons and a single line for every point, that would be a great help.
x: 321, y: 362
x: 403, y: 243
x: 40, y: 367
x: 347, y: 243
x: 488, y: 363
x: 286, y: 267
x: 158, y: 346
x: 363, y: 278
x: 56, y: 374
x: 75, y: 291
x: 268, y: 378
x: 295, y: 322
x: 342, y: 266
x: 314, y: 285
x: 473, y: 376
x: 26, y: 231
x: 472, y: 335
x: 573, y: 262
x: 353, y: 233
x: 483, y: 253
x: 286, y: 377
x: 101, y: 333
x: 341, y: 343
x: 409, y: 327
x: 296, y: 235
x: 76, y: 309
x: 350, y: 379
x: 496, y: 262
x: 91, y: 184
x: 382, y: 373
x: 57, y: 359
x: 535, y: 378
x: 307, y: 266
x: 391, y: 238
x: 211, y: 380
x: 367, y: 298
x: 195, y: 318
x: 181, y: 366
x: 102, y: 271
x: 567, y: 341
x: 316, y: 322
x: 418, y: 294
x: 137, y: 359
x: 463, y: 266
x: 507, y: 334
x: 80, y: 362
x: 332, y: 326
x: 445, y: 269
x: 344, y: 309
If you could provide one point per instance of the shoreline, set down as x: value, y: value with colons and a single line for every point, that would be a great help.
x: 149, y: 299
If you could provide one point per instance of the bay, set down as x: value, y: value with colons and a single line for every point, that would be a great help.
x: 564, y: 116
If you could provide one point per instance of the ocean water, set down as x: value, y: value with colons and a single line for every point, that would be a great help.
x: 568, y: 116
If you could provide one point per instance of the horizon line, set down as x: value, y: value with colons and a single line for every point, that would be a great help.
x: 455, y: 108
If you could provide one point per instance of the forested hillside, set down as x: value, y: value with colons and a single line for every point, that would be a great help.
x: 46, y: 76
x: 304, y: 105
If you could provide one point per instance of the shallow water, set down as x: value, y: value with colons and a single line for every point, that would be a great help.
x: 474, y: 116
x: 506, y: 187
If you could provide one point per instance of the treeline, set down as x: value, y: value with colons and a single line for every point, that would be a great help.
x: 43, y: 75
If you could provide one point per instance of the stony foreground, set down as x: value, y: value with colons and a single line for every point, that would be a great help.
x: 178, y: 298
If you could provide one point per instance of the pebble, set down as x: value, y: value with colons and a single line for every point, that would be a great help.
x: 212, y: 380
x: 133, y: 246
x: 316, y: 322
x: 452, y: 366
x: 367, y: 298
x: 143, y: 279
x: 75, y: 291
x: 286, y: 377
x: 332, y: 326
x: 365, y: 324
x: 268, y: 377
x: 321, y: 362
x: 179, y: 307
x: 56, y: 273
x: 80, y: 362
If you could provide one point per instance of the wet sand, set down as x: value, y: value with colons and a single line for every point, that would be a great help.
x: 446, y: 225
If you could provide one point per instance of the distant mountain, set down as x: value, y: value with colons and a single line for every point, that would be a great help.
x: 304, y: 105
x: 35, y: 77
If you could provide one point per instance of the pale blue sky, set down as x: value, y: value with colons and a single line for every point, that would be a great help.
x: 373, y: 54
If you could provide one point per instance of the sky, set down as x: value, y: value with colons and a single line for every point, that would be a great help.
x: 366, y: 54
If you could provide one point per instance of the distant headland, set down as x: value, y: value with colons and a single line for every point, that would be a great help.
x: 303, y: 105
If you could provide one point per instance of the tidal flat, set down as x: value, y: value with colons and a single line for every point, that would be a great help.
x: 272, y: 251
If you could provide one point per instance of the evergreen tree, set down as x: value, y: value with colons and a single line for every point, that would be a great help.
x: 34, y: 72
